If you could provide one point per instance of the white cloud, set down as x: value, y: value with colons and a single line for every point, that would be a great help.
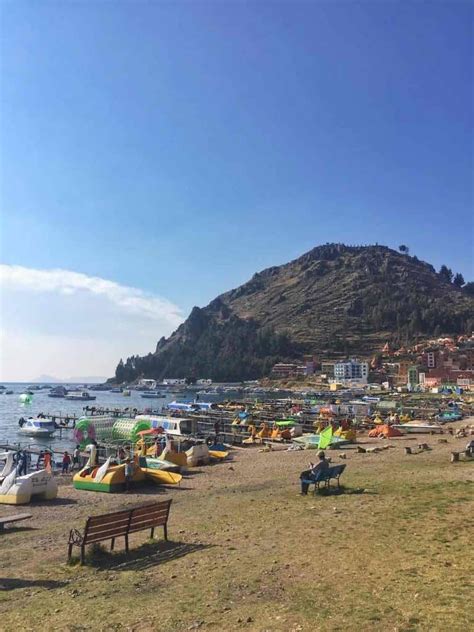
x: 130, y: 299
x: 64, y: 323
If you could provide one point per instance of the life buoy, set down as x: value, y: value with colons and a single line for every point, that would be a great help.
x: 209, y: 441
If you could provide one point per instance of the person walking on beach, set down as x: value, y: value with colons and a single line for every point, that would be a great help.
x: 314, y: 472
x: 66, y: 463
x: 23, y: 464
x: 76, y: 455
x: 157, y: 447
x: 40, y: 459
x: 47, y: 459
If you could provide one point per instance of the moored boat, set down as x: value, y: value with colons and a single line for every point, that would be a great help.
x: 37, y: 427
x: 152, y: 395
x: 80, y: 396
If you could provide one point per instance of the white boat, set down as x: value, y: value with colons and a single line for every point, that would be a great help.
x: 420, y: 428
x: 37, y: 427
x: 175, y: 427
x: 152, y: 395
x: 80, y: 396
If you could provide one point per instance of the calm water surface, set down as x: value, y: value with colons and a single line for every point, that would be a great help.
x: 11, y: 409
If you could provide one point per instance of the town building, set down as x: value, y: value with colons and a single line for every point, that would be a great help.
x: 351, y: 371
x: 148, y: 383
x: 327, y: 369
x: 283, y: 370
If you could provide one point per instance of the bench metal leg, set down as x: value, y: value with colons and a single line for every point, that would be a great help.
x: 152, y: 532
x: 165, y: 529
x: 112, y: 543
x: 126, y: 543
x: 83, y: 554
x: 69, y: 551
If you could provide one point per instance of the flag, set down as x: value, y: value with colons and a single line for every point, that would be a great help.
x: 325, y: 437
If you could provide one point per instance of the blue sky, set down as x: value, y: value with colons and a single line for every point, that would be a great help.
x: 176, y: 148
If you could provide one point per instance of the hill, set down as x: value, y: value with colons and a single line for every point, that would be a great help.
x: 333, y: 300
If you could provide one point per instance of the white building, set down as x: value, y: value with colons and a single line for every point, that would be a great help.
x: 351, y: 371
x: 147, y: 382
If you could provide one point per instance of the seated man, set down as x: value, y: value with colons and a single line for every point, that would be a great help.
x: 314, y: 473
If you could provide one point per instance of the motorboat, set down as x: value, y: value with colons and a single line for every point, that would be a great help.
x: 152, y: 395
x: 449, y: 416
x: 58, y: 391
x: 419, y: 427
x: 37, y: 427
x: 80, y: 396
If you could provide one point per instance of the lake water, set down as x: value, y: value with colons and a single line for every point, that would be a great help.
x: 11, y: 409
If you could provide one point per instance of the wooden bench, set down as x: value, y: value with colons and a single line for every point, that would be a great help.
x: 120, y: 524
x: 332, y: 473
x: 12, y: 518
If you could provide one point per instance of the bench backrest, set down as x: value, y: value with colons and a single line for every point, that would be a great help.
x: 107, y: 526
x: 149, y: 516
x: 336, y: 470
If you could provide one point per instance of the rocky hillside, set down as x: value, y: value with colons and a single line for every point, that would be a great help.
x: 333, y: 300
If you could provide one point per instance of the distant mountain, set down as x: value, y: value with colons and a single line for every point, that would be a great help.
x: 335, y: 300
x: 88, y: 379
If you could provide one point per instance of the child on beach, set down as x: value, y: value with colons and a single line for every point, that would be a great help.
x: 66, y: 463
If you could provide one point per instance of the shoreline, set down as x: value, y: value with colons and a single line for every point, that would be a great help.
x: 254, y: 547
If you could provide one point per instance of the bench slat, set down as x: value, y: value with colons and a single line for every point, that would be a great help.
x: 136, y: 526
x: 155, y: 514
x: 15, y: 518
x: 106, y: 525
x: 107, y: 533
x: 120, y: 515
x: 163, y: 506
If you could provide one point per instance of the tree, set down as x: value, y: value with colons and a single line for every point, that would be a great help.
x: 445, y: 274
x: 404, y: 249
x: 469, y: 288
x: 459, y: 280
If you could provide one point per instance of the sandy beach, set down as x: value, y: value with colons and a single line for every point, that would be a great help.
x: 247, y: 552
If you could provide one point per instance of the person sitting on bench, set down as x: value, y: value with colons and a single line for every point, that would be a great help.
x: 313, y: 474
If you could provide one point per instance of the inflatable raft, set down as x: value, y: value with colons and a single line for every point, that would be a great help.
x: 110, y: 481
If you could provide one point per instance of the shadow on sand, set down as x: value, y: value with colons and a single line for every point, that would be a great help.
x: 146, y: 556
x: 55, y: 502
x: 14, y: 584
